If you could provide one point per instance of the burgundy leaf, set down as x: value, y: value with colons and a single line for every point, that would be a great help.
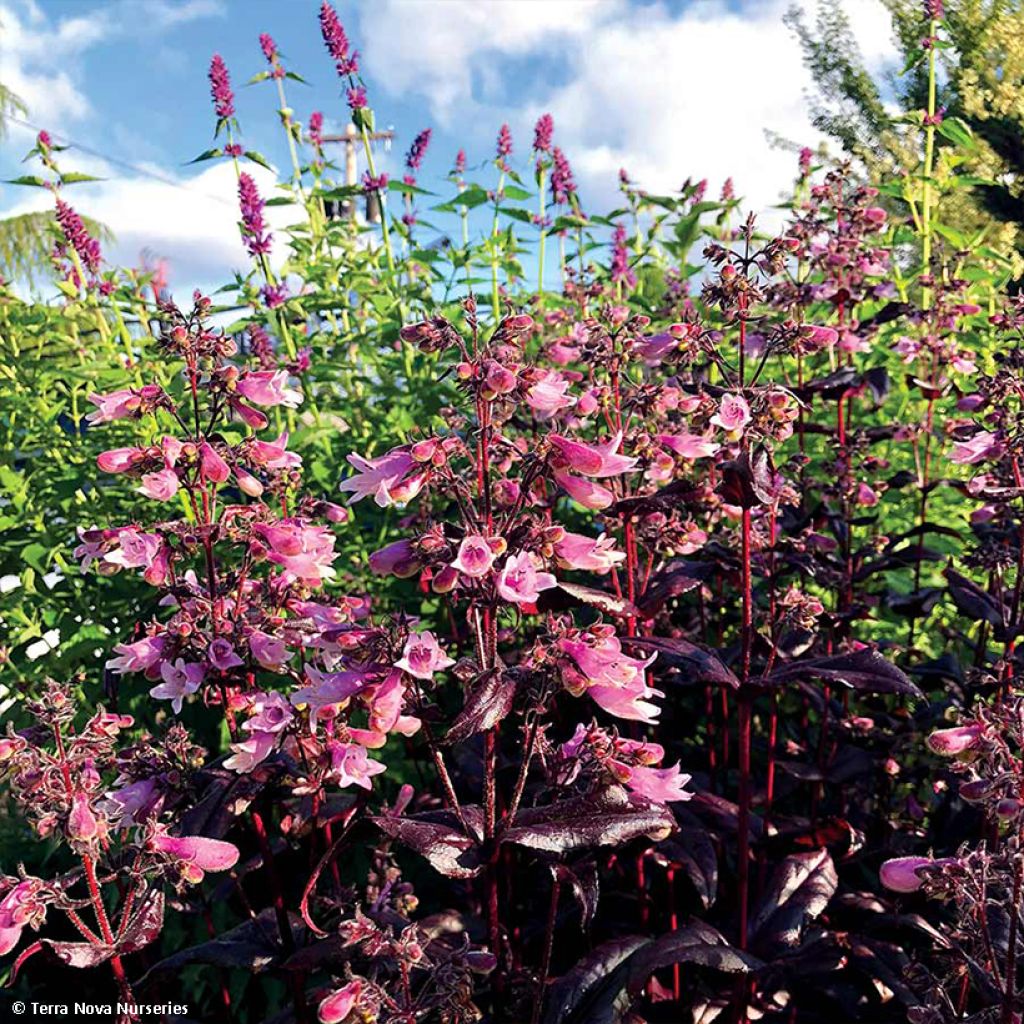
x: 585, y: 883
x: 864, y: 670
x: 693, y: 851
x: 697, y: 943
x: 438, y: 837
x: 79, y: 954
x: 676, y: 578
x: 253, y: 946
x: 594, y: 990
x: 970, y: 600
x: 610, y: 818
x: 489, y: 702
x: 572, y: 595
x: 695, y: 663
x: 799, y: 891
x: 145, y: 924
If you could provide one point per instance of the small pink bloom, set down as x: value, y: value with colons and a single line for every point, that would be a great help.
x: 119, y: 460
x: 733, y: 414
x: 339, y: 1004
x: 247, y: 483
x: 160, y: 486
x: 274, y: 454
x: 983, y: 445
x: 138, y: 656
x: 247, y: 754
x: 180, y: 678
x: 520, y: 583
x: 950, y: 742
x: 380, y: 477
x: 689, y: 446
x: 586, y: 492
x: 211, y: 465
x: 594, y: 460
x: 221, y: 655
x: 305, y: 551
x: 21, y: 906
x: 866, y: 495
x: 268, y: 388
x: 202, y: 853
x: 82, y: 823
x: 422, y: 656
x: 596, y: 554
x: 612, y: 679
x: 475, y: 557
x: 352, y: 766
x: 269, y: 651
x: 118, y: 405
x: 902, y: 874
x: 661, y: 785
x: 398, y: 559
x: 549, y: 396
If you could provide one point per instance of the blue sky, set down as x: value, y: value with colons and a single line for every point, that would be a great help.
x: 668, y: 90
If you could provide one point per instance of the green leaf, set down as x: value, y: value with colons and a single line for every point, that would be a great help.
x: 210, y: 154
x: 957, y: 132
x: 28, y: 179
x: 257, y: 158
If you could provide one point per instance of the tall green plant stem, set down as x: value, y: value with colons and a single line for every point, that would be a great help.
x: 541, y: 176
x: 495, y: 296
x: 929, y: 162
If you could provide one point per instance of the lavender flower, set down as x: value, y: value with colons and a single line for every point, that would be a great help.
x: 542, y: 133
x: 269, y: 48
x: 254, y: 228
x: 728, y: 191
x: 356, y: 97
x: 621, y: 271
x: 563, y: 188
x: 414, y: 158
x: 460, y: 162
x: 337, y: 42
x: 504, y: 147
x: 220, y: 88
x: 315, y: 129
x: 78, y: 237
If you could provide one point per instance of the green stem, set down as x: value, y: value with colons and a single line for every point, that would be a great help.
x: 543, y: 233
x: 929, y: 159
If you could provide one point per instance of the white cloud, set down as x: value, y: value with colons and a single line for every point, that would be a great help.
x: 190, y: 221
x: 440, y: 50
x: 663, y: 93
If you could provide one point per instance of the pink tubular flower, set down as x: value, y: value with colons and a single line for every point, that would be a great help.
x: 596, y: 554
x: 586, y: 492
x: 351, y: 765
x: 614, y: 680
x: 212, y: 467
x: 268, y: 388
x: 733, y: 414
x: 140, y: 656
x: 82, y: 823
x: 303, y: 550
x: 398, y: 559
x: 548, y: 396
x: 475, y: 556
x: 247, y: 754
x: 689, y: 446
x: 118, y: 405
x: 269, y: 651
x: 950, y: 742
x: 660, y: 785
x: 983, y: 445
x: 274, y: 454
x: 20, y: 907
x: 340, y: 1003
x: 221, y: 655
x: 594, y: 460
x: 161, y: 485
x: 197, y: 852
x: 520, y: 583
x: 180, y: 678
x: 386, y: 477
x: 902, y: 874
x: 119, y: 460
x: 422, y: 656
